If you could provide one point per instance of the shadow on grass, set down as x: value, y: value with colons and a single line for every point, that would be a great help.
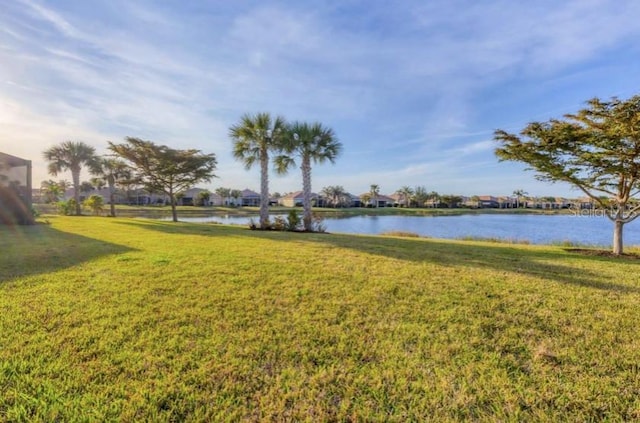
x: 511, y: 260
x: 37, y: 249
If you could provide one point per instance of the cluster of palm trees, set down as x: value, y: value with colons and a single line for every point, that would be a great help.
x: 73, y: 156
x: 256, y: 137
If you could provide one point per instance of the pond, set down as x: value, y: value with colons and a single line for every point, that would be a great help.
x: 533, y: 228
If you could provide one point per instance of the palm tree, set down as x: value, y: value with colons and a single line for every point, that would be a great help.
x: 374, y: 191
x: 254, y: 137
x: 71, y: 155
x: 519, y: 193
x: 310, y: 142
x: 405, y: 194
x: 53, y: 191
x: 112, y: 171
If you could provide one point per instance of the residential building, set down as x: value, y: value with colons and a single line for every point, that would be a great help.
x: 15, y: 190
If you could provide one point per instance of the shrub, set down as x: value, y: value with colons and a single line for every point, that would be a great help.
x: 293, y: 220
x: 279, y: 224
x: 66, y: 208
x: 95, y: 203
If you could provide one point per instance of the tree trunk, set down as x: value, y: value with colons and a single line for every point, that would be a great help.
x: 617, y: 237
x: 174, y: 211
x: 75, y: 175
x: 112, y: 198
x: 306, y: 193
x: 264, y: 189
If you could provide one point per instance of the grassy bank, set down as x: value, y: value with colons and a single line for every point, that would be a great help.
x: 136, y: 320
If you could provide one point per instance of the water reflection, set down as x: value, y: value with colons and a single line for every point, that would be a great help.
x: 533, y: 228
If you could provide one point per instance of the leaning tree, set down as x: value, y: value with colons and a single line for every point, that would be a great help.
x: 596, y: 150
x: 72, y: 156
x: 159, y: 168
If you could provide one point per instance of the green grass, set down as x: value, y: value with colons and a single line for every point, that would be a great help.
x: 140, y: 320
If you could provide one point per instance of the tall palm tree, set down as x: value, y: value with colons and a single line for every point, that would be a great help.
x: 311, y: 143
x: 71, y: 155
x: 374, y: 191
x: 112, y: 171
x: 254, y: 137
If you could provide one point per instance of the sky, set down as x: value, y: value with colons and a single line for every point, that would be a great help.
x: 413, y: 89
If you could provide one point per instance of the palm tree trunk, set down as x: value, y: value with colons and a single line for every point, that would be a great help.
x: 264, y: 189
x: 75, y: 175
x: 306, y: 193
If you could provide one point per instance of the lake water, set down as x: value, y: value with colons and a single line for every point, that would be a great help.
x: 533, y: 228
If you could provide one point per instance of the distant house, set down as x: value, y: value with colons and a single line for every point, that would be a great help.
x: 295, y: 200
x: 507, y: 202
x: 379, y: 201
x: 400, y: 200
x: 140, y: 197
x: 103, y: 192
x: 353, y: 200
x: 562, y: 203
x: 249, y: 198
x: 134, y: 197
x: 15, y: 190
x: 190, y: 198
x: 488, y: 201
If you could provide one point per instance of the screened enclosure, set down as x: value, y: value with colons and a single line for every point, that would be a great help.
x: 15, y: 190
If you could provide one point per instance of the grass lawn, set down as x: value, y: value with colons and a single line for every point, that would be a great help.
x: 139, y: 320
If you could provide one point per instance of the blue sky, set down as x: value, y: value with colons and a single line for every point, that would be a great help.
x: 413, y: 89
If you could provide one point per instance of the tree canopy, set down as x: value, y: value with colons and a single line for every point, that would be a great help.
x: 159, y: 168
x: 597, y: 150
